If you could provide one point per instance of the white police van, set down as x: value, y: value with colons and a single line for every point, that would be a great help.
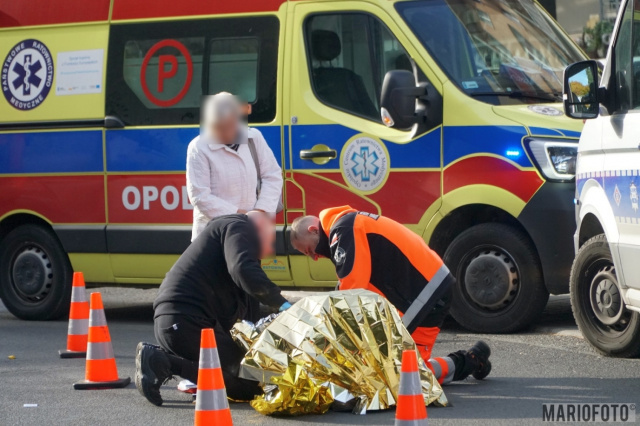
x: 605, y: 277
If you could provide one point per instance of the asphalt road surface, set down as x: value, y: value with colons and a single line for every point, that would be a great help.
x: 548, y: 363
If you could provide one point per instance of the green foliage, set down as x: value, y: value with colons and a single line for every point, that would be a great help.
x: 592, y: 37
x: 579, y: 89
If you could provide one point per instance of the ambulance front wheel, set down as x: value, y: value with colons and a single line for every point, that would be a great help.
x: 499, y: 286
x: 598, y: 305
x: 35, y: 274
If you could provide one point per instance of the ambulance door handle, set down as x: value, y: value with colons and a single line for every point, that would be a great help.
x: 308, y: 154
x: 318, y: 152
x: 113, y: 122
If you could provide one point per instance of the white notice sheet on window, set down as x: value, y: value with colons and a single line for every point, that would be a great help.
x: 79, y: 72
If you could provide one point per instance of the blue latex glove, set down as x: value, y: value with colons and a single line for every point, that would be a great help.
x: 284, y: 307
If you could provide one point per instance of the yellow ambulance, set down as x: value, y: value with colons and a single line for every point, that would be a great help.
x: 441, y: 114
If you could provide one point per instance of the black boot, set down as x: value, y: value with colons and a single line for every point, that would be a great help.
x: 474, y: 362
x: 479, y: 355
x: 153, y: 369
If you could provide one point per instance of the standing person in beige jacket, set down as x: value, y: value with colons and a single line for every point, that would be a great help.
x: 221, y: 173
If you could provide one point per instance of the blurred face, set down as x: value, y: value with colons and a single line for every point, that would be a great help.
x: 226, y: 130
x: 266, y: 233
x: 308, y: 242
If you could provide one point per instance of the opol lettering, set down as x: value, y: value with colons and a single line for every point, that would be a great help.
x: 148, y: 197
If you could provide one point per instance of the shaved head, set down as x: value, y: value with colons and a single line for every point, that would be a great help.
x: 305, y: 235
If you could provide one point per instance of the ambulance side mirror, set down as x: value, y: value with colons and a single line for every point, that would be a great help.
x: 401, y: 102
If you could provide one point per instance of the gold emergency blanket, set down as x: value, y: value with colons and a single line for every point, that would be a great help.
x: 342, y: 348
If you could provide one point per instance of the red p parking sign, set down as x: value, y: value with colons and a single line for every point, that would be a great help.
x: 168, y: 65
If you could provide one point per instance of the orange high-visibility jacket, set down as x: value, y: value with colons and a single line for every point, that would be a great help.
x: 379, y: 254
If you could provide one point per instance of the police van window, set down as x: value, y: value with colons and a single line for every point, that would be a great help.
x: 348, y: 55
x: 233, y: 67
x: 622, y: 61
x: 635, y: 53
x: 160, y: 80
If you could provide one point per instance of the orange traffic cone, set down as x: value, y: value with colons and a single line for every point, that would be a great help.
x: 78, y: 321
x: 212, y: 407
x: 411, y: 409
x: 101, y: 370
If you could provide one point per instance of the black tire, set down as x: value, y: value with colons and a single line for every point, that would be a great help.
x: 499, y: 286
x: 35, y: 274
x: 600, y: 312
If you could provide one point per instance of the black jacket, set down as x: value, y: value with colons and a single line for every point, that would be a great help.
x: 219, y: 276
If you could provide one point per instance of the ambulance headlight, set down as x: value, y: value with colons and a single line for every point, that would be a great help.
x: 555, y: 159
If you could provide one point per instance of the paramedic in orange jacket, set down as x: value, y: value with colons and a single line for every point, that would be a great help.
x: 378, y: 254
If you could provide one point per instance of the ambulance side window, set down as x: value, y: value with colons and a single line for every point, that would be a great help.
x: 160, y: 80
x: 165, y: 73
x: 349, y: 55
x: 233, y: 67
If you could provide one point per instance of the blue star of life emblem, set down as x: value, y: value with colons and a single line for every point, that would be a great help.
x: 26, y: 74
x: 365, y: 164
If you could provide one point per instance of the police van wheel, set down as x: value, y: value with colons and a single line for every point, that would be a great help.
x: 499, y: 286
x: 35, y: 274
x: 597, y: 303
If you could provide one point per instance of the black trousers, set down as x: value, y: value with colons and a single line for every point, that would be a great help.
x: 179, y: 335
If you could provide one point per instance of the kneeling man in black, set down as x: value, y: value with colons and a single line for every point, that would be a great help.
x: 217, y: 281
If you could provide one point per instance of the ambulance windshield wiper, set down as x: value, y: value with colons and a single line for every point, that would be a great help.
x: 543, y: 97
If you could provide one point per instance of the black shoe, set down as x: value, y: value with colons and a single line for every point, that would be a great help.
x: 152, y: 371
x: 479, y: 355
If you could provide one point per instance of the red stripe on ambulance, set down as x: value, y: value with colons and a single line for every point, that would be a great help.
x: 60, y: 199
x: 139, y: 9
x: 149, y: 199
x: 46, y: 12
x: 320, y: 193
x: 492, y: 171
x: 419, y: 189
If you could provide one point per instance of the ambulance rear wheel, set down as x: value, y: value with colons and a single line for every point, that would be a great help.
x: 499, y: 286
x: 35, y: 274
